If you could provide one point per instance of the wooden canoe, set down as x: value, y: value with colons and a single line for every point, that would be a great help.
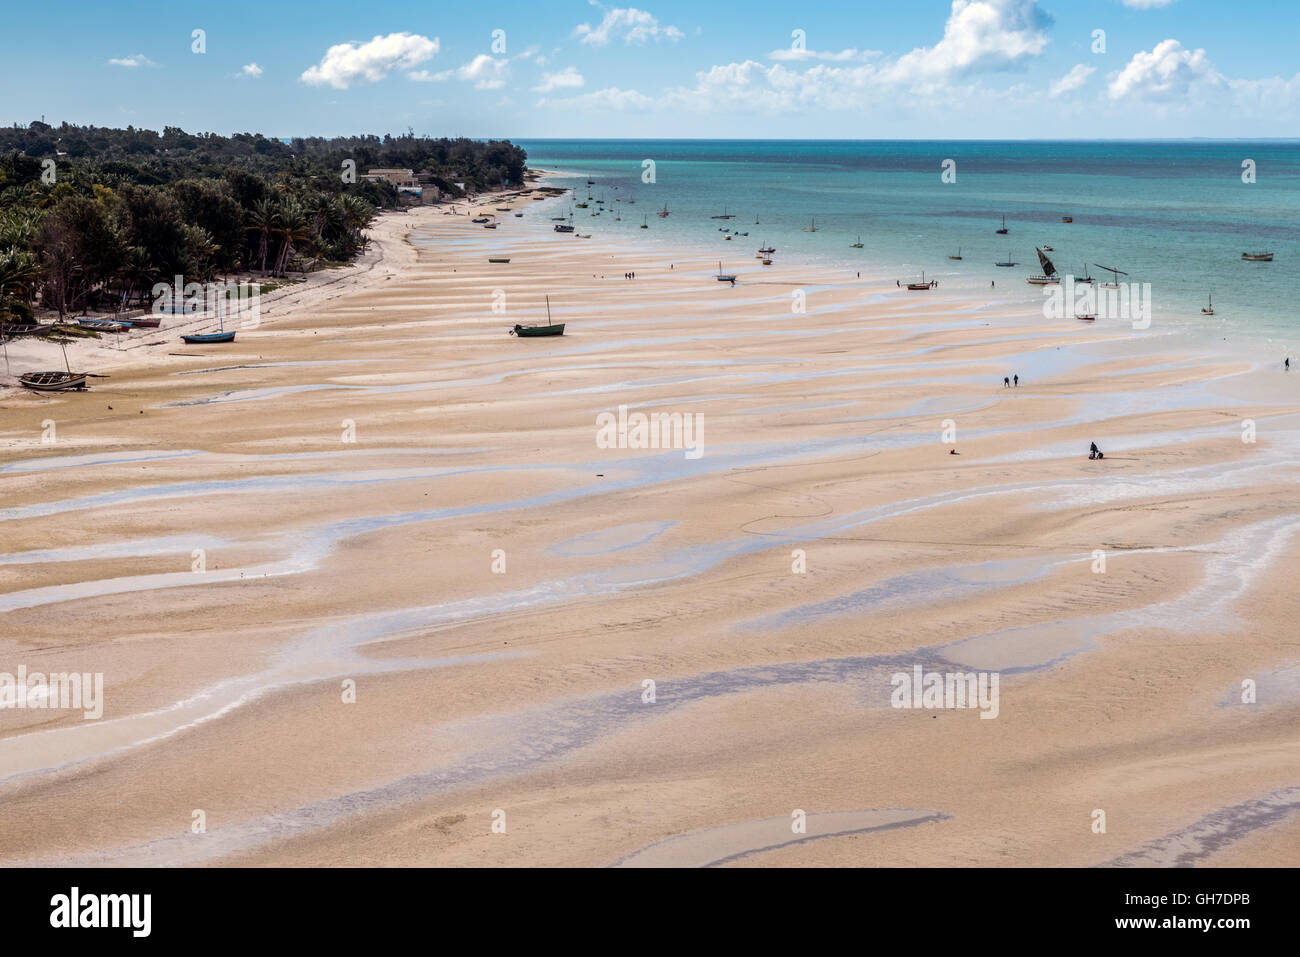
x: 53, y: 381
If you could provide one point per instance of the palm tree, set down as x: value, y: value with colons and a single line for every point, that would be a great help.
x: 261, y: 220
x: 293, y: 228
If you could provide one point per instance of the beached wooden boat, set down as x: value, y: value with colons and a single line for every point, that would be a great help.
x: 534, y: 332
x: 1257, y: 257
x: 499, y: 260
x: 564, y: 229
x: 725, y: 277
x: 1003, y: 230
x: 103, y: 325
x: 148, y: 321
x: 1092, y: 317
x: 923, y: 284
x: 519, y: 215
x: 767, y: 262
x: 1049, y: 276
x: 201, y: 338
x: 503, y: 209
x: 206, y: 337
x: 24, y: 329
x: 479, y: 219
x: 53, y: 381
x: 489, y: 225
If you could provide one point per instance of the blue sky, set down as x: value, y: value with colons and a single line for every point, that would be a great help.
x: 932, y: 69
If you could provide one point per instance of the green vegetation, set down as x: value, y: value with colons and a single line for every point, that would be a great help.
x: 93, y: 217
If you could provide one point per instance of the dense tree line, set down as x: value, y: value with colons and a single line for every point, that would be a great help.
x: 94, y: 217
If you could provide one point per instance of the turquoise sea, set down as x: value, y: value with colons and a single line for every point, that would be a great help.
x: 1175, y: 214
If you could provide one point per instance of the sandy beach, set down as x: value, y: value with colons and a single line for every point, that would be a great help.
x: 367, y: 587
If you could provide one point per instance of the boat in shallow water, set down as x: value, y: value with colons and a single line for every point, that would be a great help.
x: 1049, y: 276
x: 1257, y: 257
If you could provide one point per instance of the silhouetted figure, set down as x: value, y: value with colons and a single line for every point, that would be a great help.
x: 1016, y: 379
x: 1006, y: 382
x: 1287, y: 364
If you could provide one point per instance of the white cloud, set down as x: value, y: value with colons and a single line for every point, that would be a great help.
x: 979, y: 35
x: 133, y: 61
x: 1146, y: 4
x: 250, y: 70
x: 842, y: 56
x: 484, y: 72
x: 348, y: 63
x: 631, y: 24
x: 1076, y: 78
x: 611, y: 98
x: 568, y: 78
x: 1166, y: 72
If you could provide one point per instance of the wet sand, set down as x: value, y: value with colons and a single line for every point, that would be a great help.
x: 499, y: 587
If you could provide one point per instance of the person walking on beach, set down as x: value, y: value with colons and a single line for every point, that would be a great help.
x: 1006, y: 382
x: 1094, y: 452
x: 1016, y: 379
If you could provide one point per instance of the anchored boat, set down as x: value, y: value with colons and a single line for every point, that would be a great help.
x: 1114, y: 276
x: 1257, y: 257
x: 1049, y: 276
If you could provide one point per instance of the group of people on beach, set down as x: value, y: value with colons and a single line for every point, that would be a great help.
x: 1007, y: 381
x: 629, y: 275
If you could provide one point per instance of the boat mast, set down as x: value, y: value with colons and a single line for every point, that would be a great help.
x: 548, y: 310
